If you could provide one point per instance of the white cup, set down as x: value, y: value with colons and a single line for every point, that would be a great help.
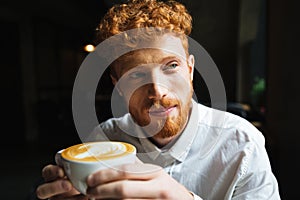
x: 81, y: 160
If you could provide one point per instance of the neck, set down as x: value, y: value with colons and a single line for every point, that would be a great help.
x: 161, y: 142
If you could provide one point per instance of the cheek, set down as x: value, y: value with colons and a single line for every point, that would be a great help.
x: 181, y: 86
x: 136, y: 98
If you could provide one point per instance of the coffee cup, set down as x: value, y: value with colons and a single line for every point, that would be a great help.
x: 81, y: 160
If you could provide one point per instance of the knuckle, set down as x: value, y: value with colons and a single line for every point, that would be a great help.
x: 51, y: 189
x: 164, y: 194
x: 96, y: 177
x: 120, y: 190
x: 124, y: 170
x: 101, y: 177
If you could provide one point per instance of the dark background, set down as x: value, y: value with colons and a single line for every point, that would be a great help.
x: 251, y: 42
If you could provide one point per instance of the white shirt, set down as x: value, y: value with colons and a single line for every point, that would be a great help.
x: 218, y: 155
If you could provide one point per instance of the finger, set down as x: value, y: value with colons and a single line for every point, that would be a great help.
x: 74, y: 197
x: 129, y: 171
x: 52, y: 172
x: 51, y: 189
x: 134, y: 199
x: 125, y: 189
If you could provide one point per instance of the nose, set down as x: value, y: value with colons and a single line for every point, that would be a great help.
x: 157, y: 89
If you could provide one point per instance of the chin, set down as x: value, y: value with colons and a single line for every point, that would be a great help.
x: 169, y: 130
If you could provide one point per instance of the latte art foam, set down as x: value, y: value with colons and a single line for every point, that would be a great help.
x: 97, y: 151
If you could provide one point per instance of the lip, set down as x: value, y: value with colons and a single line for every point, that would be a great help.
x: 161, y: 112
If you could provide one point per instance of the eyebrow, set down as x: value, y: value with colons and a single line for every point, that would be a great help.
x: 170, y: 58
x: 137, y: 64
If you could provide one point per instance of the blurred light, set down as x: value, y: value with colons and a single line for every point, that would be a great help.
x: 89, y: 48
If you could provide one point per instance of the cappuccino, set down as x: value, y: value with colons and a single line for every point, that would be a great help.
x: 97, y: 151
x: 81, y: 160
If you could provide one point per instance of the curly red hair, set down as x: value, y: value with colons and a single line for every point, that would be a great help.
x: 169, y: 15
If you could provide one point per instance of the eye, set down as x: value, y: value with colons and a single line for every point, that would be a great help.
x: 171, y: 66
x: 135, y: 75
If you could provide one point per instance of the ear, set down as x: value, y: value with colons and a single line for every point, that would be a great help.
x: 115, y: 81
x: 191, y: 63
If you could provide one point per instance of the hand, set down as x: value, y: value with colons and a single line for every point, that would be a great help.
x: 56, y: 185
x: 135, y: 181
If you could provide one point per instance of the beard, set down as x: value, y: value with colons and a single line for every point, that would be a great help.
x: 168, y: 126
x: 171, y: 125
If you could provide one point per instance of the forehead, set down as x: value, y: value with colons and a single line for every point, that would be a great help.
x: 165, y: 47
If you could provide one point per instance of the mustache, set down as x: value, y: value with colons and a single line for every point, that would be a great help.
x: 164, y: 102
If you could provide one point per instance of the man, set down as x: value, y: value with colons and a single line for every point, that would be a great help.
x: 197, y: 152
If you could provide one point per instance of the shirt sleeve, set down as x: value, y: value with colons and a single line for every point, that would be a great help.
x: 256, y: 179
